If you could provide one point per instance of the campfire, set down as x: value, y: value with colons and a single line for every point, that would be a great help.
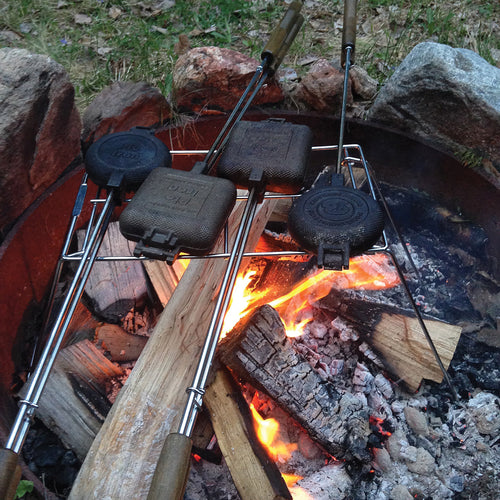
x: 335, y: 357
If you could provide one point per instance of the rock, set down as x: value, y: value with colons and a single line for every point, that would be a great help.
x: 213, y: 78
x: 436, y: 86
x: 363, y: 85
x: 120, y: 107
x: 424, y: 463
x: 321, y: 88
x: 39, y: 128
x: 457, y: 483
x: 395, y: 442
x: 400, y: 492
x: 382, y: 460
x: 485, y: 409
x: 416, y: 420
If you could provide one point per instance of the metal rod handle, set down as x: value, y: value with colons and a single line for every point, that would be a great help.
x: 39, y: 378
x: 282, y: 32
x: 349, y: 30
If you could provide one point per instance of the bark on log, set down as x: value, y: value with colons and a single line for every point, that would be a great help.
x: 123, y: 457
x: 255, y: 475
x: 257, y: 350
x: 74, y: 403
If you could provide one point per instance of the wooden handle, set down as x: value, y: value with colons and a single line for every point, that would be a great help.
x: 10, y: 474
x: 172, y: 470
x: 282, y: 34
x: 349, y: 29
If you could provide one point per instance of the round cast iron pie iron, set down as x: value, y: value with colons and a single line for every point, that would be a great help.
x: 335, y: 223
x: 124, y: 159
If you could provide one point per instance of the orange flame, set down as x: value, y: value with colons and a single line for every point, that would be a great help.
x: 368, y: 272
x: 268, y: 434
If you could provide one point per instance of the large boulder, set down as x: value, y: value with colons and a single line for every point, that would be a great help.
x: 39, y: 128
x: 446, y: 95
x: 213, y: 78
x: 121, y: 106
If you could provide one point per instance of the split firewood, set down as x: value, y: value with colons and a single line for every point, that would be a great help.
x: 258, y: 350
x: 397, y: 336
x: 74, y: 403
x: 122, y: 346
x: 255, y: 475
x: 115, y: 287
x: 405, y: 351
x: 164, y: 278
x: 124, y: 455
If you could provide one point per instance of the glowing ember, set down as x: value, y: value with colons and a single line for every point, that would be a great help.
x: 378, y: 424
x: 267, y: 432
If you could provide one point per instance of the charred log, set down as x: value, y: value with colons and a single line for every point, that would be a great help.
x: 259, y: 352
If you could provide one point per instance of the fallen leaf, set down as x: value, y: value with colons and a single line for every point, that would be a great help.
x: 102, y: 51
x: 82, y: 19
x: 114, y: 12
x: 163, y: 31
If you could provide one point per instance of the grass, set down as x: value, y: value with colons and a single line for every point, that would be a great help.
x: 101, y: 41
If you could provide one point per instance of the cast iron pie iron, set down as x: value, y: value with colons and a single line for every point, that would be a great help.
x: 176, y: 211
x: 123, y: 160
x: 335, y: 222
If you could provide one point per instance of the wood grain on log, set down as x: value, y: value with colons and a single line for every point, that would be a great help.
x: 406, y: 352
x: 123, y: 457
x: 257, y: 350
x: 116, y: 286
x: 74, y: 403
x: 255, y: 475
x: 122, y: 346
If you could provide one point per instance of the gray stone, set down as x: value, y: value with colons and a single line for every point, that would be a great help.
x: 446, y: 95
x: 208, y: 79
x: 424, y: 463
x: 39, y: 128
x: 120, y: 107
x: 395, y: 442
x: 400, y: 492
x: 382, y: 460
x: 416, y: 420
x: 363, y: 85
x: 485, y: 409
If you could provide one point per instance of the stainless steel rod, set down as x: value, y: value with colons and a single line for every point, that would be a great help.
x: 348, y: 50
x: 197, y: 388
x: 39, y: 377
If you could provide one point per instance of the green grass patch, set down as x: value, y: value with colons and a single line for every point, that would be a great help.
x: 101, y: 41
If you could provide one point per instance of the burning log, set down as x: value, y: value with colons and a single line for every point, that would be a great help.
x: 255, y: 475
x: 124, y: 455
x: 258, y: 351
x: 74, y: 403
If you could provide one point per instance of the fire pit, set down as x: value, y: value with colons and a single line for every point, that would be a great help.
x: 405, y: 164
